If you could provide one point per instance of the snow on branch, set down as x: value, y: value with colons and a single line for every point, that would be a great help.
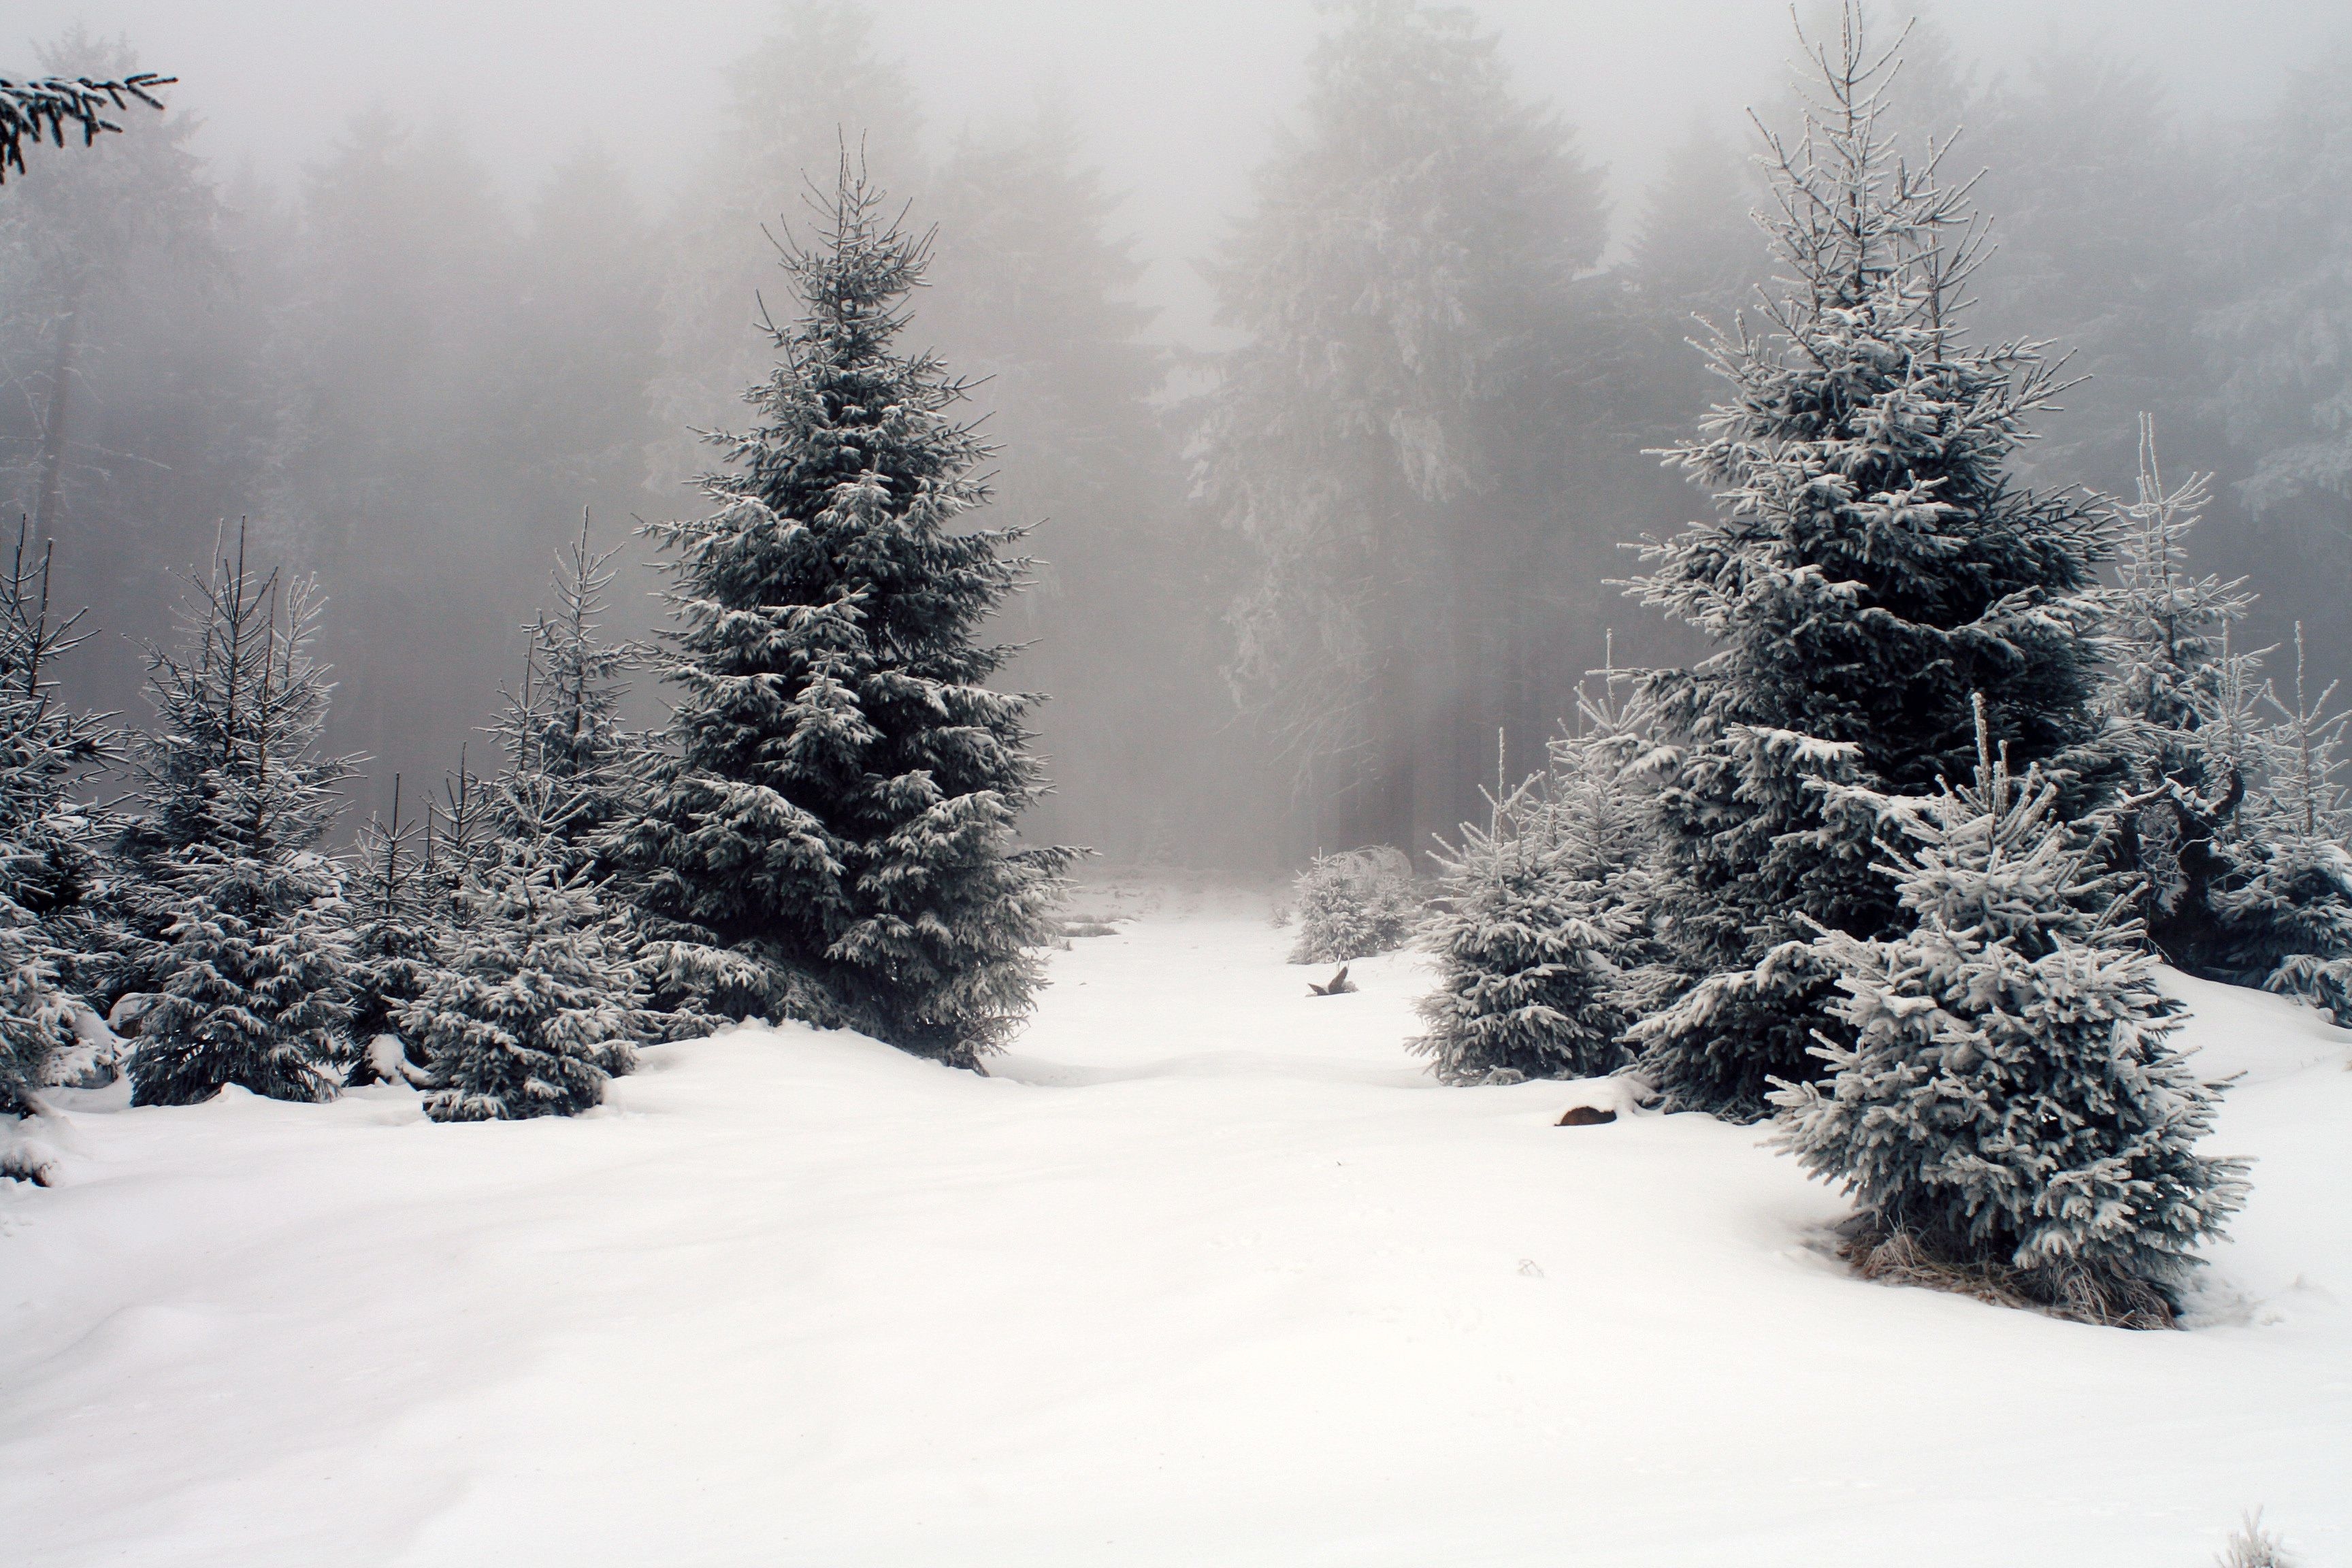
x: 42, y: 109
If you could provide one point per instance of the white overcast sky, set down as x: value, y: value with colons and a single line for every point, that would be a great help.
x: 1179, y: 95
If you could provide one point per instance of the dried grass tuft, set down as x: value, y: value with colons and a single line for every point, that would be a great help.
x: 2080, y: 1294
x: 2252, y: 1546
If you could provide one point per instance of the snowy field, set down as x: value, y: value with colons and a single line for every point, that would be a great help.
x: 1207, y: 1274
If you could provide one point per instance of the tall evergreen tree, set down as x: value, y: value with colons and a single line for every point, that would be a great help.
x: 401, y: 345
x: 2006, y: 1098
x: 239, y: 920
x: 2106, y: 199
x: 1871, y: 564
x: 2274, y: 380
x: 578, y: 349
x: 841, y: 808
x: 1387, y: 440
x: 1695, y: 257
x: 2286, y: 391
x: 134, y: 409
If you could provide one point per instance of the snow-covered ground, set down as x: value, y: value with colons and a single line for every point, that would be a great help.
x: 1207, y: 1274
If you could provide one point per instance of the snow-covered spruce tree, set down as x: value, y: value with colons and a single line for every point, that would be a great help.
x: 238, y: 921
x: 537, y: 1000
x: 565, y: 723
x: 1524, y: 939
x: 2005, y: 1104
x: 1602, y: 774
x: 48, y: 846
x: 2181, y: 701
x: 838, y: 816
x: 1353, y: 904
x: 1871, y: 564
x: 395, y: 946
x: 2295, y: 899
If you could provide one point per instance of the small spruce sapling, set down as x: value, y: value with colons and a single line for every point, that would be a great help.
x: 1353, y: 904
x: 458, y: 832
x: 252, y: 955
x: 565, y: 723
x: 394, y: 947
x: 2252, y: 1546
x: 1526, y: 987
x: 2005, y: 1105
x: 538, y: 999
x: 1603, y: 774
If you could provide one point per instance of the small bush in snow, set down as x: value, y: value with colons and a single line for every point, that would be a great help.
x: 1354, y: 904
x: 2011, y: 1106
x: 2252, y: 1546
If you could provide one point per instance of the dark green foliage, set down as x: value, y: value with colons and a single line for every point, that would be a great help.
x: 254, y: 983
x: 2183, y: 706
x: 1034, y: 297
x: 2292, y: 897
x: 838, y: 819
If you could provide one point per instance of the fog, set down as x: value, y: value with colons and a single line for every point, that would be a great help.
x: 410, y: 287
x: 1178, y: 100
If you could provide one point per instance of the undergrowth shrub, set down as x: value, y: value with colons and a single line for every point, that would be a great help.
x: 2252, y: 1546
x: 1353, y: 904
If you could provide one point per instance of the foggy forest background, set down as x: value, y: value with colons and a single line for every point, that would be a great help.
x: 1297, y: 569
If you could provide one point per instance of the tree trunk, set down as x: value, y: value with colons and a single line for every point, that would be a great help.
x: 53, y: 424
